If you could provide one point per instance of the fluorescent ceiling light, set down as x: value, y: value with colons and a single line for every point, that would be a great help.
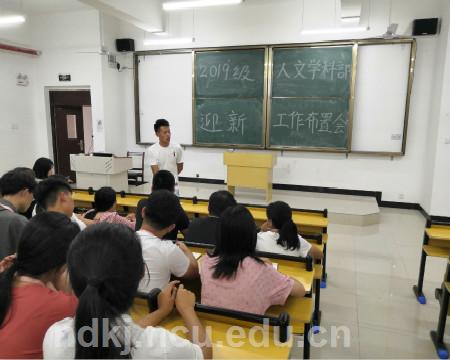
x: 168, y: 41
x: 11, y: 20
x: 335, y: 30
x: 182, y: 5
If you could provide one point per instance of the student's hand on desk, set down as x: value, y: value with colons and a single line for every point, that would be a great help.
x: 86, y: 222
x: 182, y: 246
x: 166, y: 298
x: 185, y: 300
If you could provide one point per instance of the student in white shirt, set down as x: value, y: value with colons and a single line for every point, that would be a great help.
x: 55, y: 194
x: 279, y: 234
x: 105, y: 266
x: 162, y: 257
x: 165, y: 155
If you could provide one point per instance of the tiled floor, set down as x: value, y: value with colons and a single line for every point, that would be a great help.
x: 371, y: 271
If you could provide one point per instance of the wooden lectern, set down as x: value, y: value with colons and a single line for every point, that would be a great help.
x: 250, y: 170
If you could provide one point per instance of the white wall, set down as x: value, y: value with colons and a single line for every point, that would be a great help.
x: 115, y: 126
x: 61, y: 38
x: 438, y: 171
x: 16, y: 112
x: 262, y: 22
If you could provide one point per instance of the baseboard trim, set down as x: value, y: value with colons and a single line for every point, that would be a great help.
x: 330, y: 190
x: 201, y: 180
x: 400, y: 205
x: 304, y: 188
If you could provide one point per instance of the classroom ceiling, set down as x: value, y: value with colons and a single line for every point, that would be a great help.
x: 31, y: 7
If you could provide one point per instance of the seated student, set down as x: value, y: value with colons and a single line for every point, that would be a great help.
x: 279, y: 234
x: 35, y: 290
x: 43, y: 168
x: 206, y: 230
x: 16, y: 188
x: 105, y: 209
x: 164, y: 180
x: 233, y: 277
x: 163, y: 257
x: 55, y: 194
x: 105, y: 266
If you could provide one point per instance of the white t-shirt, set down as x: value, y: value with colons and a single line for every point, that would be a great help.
x: 148, y: 343
x: 77, y: 221
x: 267, y: 241
x: 166, y: 158
x: 162, y: 258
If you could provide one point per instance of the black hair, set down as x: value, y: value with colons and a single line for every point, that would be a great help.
x: 159, y: 123
x: 105, y: 266
x: 162, y: 209
x: 237, y: 241
x: 219, y: 201
x: 42, y: 247
x: 41, y: 167
x: 280, y: 214
x: 104, y: 198
x: 163, y: 180
x: 46, y: 192
x: 16, y: 180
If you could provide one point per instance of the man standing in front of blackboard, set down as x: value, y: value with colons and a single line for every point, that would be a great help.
x: 165, y: 155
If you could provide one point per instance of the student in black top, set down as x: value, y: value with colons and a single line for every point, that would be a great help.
x: 206, y: 230
x: 164, y: 180
x: 43, y: 168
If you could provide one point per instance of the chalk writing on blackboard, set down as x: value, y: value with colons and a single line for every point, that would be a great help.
x: 226, y: 72
x: 312, y: 123
x: 315, y: 69
x: 232, y: 122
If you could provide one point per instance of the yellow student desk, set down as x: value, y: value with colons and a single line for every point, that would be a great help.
x: 436, y: 243
x: 312, y: 224
x: 220, y: 327
x: 442, y: 295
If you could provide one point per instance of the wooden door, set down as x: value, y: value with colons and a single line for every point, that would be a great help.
x: 69, y: 137
x: 67, y: 128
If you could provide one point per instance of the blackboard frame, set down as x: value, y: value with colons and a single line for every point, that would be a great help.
x: 264, y: 110
x: 367, y: 41
x: 332, y: 44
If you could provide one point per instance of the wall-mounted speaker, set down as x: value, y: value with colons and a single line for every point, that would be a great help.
x: 425, y: 26
x: 123, y: 45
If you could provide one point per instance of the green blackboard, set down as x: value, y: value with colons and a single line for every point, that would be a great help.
x: 230, y: 73
x: 312, y: 72
x: 310, y: 97
x: 229, y: 97
x: 229, y: 121
x: 309, y: 123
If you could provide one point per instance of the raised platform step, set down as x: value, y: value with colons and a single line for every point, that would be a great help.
x: 342, y: 209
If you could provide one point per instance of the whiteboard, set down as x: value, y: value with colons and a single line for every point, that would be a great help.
x: 380, y: 97
x: 165, y: 91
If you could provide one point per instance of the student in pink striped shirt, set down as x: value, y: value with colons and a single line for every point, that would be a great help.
x: 233, y: 277
x: 105, y: 209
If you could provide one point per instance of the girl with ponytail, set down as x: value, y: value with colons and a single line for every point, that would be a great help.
x: 34, y: 287
x: 105, y: 266
x: 279, y: 234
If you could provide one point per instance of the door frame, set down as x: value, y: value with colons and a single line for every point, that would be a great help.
x: 51, y: 130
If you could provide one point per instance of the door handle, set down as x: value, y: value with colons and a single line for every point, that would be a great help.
x: 81, y: 143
